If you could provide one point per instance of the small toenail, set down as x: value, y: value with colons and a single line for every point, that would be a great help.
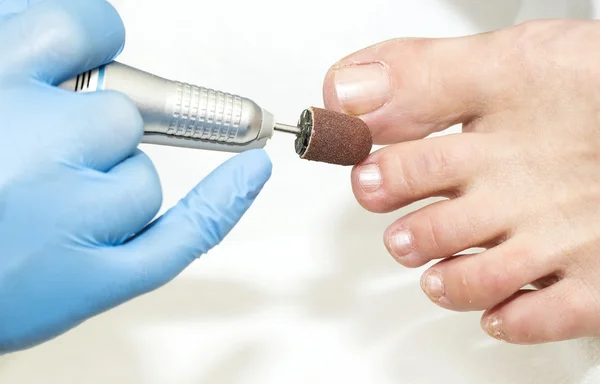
x: 433, y: 285
x: 401, y: 244
x: 369, y: 177
x: 493, y: 326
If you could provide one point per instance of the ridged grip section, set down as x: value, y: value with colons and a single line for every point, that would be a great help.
x: 205, y: 114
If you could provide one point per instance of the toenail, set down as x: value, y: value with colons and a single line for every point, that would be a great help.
x: 493, y: 327
x: 433, y: 285
x: 369, y: 177
x: 362, y: 88
x: 400, y: 244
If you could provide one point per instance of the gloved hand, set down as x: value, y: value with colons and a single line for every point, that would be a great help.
x: 76, y: 195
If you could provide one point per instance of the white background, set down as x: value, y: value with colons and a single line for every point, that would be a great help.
x: 302, y: 291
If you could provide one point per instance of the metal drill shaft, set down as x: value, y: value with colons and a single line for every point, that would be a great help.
x: 288, y: 128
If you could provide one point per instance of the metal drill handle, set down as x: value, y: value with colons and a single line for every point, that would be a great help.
x: 180, y: 114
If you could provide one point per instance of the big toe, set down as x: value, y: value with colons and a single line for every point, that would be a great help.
x: 406, y: 89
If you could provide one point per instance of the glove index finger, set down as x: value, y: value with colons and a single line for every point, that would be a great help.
x: 197, y: 224
x: 54, y: 40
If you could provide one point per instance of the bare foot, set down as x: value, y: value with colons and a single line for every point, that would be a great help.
x: 522, y: 180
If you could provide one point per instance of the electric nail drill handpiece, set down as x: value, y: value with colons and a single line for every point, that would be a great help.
x: 184, y: 115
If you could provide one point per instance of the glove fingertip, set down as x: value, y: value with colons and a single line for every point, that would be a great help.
x: 246, y: 173
x: 258, y: 169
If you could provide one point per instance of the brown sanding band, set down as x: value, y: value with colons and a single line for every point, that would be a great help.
x: 338, y: 138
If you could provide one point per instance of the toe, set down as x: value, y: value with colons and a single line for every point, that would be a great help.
x: 481, y: 281
x: 401, y: 174
x: 560, y: 312
x: 405, y: 89
x: 443, y: 229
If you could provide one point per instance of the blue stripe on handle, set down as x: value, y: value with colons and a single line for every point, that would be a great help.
x: 100, y: 78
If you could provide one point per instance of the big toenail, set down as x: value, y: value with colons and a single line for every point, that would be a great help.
x: 433, y: 285
x: 362, y: 88
x: 369, y: 177
x: 401, y: 244
x: 493, y: 326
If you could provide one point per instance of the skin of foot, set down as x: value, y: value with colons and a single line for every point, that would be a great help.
x: 521, y: 182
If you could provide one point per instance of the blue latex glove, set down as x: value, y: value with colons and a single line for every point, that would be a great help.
x: 76, y: 195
